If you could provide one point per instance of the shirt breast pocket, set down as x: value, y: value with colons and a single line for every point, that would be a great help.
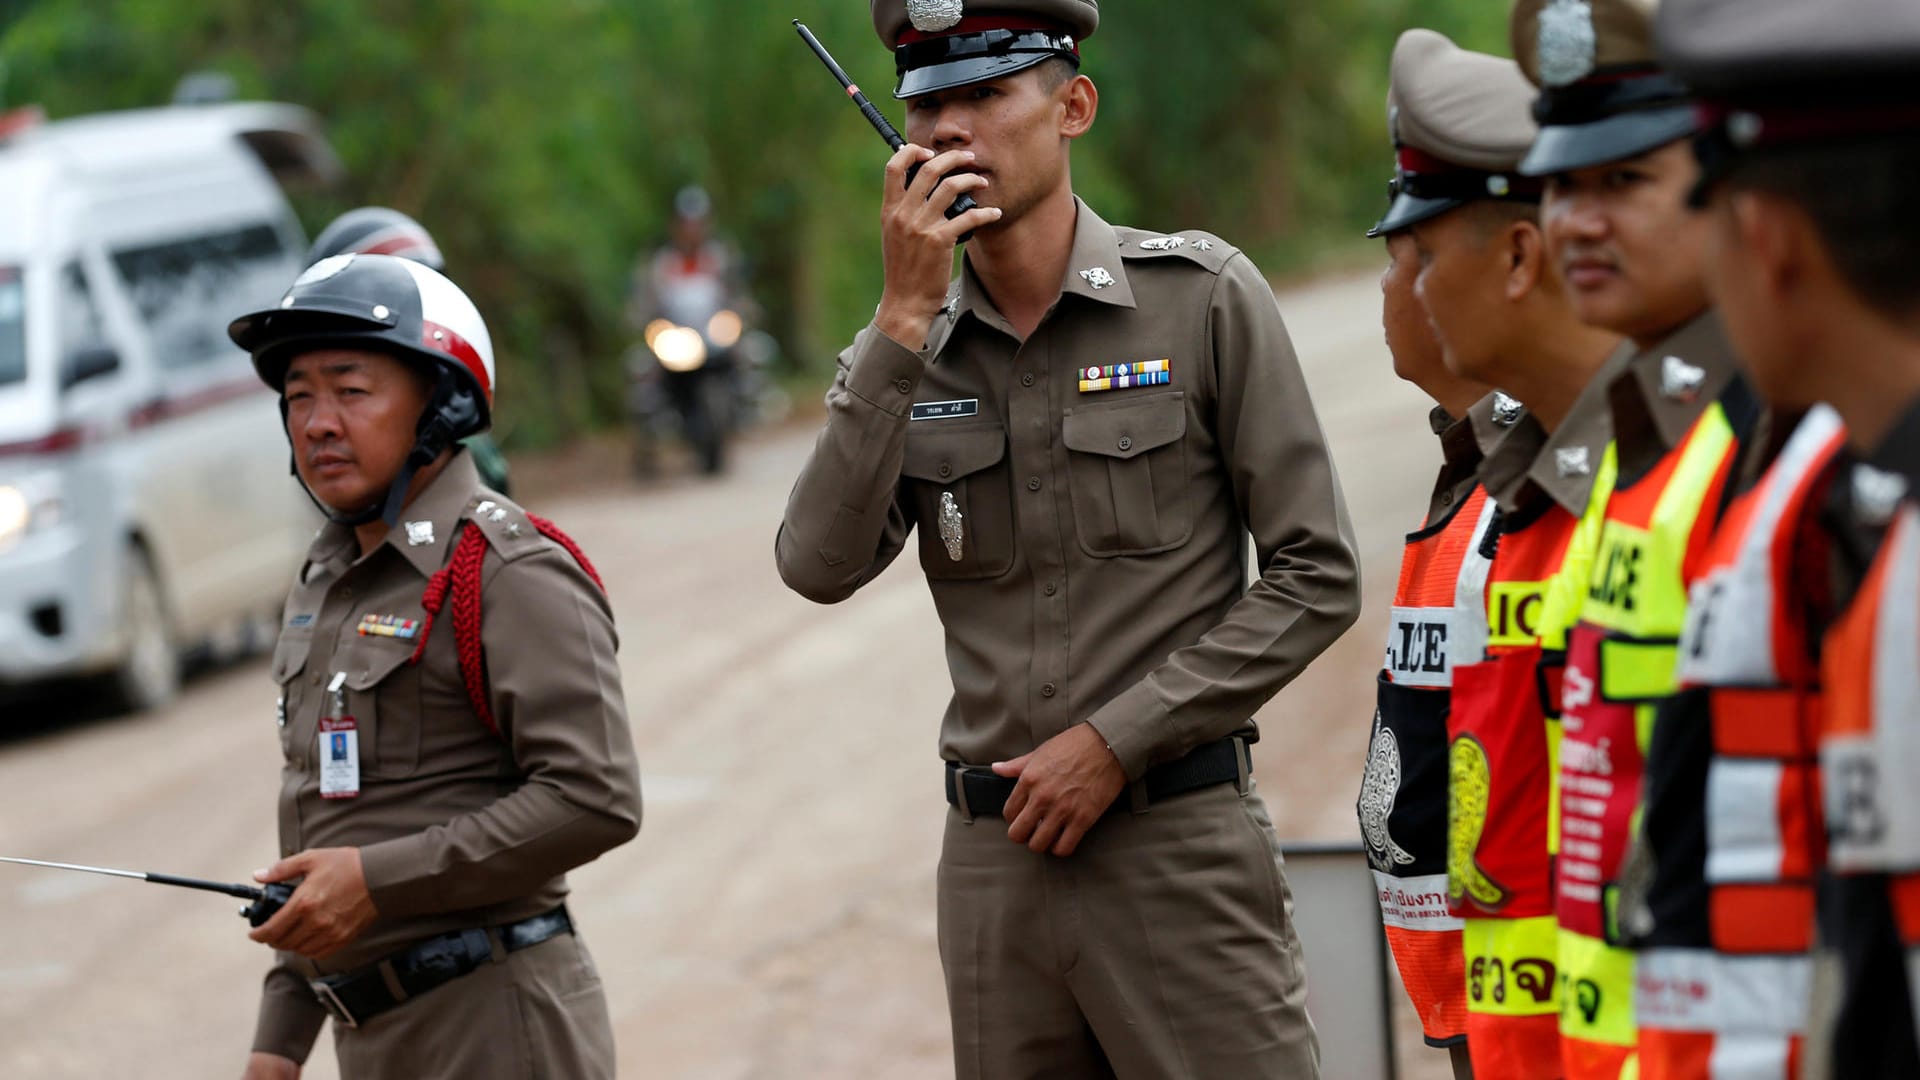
x: 383, y: 697
x: 1127, y: 467
x: 960, y: 472
x: 289, y: 662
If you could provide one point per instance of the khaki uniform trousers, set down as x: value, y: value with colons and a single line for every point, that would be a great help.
x: 537, y: 1014
x: 1163, y: 947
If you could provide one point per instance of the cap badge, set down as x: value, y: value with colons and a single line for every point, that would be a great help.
x: 1571, y: 461
x: 1163, y: 243
x: 1877, y: 494
x: 1098, y: 276
x: 953, y: 529
x: 1680, y: 380
x: 419, y: 533
x: 1506, y: 410
x: 1498, y: 186
x: 931, y: 16
x: 1566, y: 42
x: 1745, y: 128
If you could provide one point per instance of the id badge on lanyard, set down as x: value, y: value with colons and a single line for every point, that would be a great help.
x: 339, y: 745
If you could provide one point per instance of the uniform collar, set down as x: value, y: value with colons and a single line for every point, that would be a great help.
x: 1459, y: 441
x: 430, y: 518
x: 1529, y: 463
x: 1094, y: 270
x: 1439, y: 420
x: 1666, y: 388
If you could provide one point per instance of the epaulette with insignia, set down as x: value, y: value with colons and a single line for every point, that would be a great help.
x: 505, y: 526
x: 1206, y: 249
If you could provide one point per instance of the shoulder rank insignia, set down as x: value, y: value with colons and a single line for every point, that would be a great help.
x: 1163, y: 243
x: 1121, y: 376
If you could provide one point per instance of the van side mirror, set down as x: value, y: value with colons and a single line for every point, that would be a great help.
x: 88, y: 363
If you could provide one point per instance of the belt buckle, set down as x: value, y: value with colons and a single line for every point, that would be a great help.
x: 332, y: 1003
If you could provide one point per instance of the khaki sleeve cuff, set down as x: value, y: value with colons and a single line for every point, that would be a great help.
x: 1137, y: 729
x: 399, y: 875
x: 884, y: 373
x: 290, y: 1017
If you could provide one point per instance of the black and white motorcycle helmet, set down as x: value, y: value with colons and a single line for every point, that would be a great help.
x: 377, y: 230
x: 393, y: 305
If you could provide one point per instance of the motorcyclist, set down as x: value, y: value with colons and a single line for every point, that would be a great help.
x: 687, y: 303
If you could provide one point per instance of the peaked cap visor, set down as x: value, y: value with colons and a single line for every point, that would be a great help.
x: 1565, y: 147
x: 1409, y: 210
x: 942, y: 63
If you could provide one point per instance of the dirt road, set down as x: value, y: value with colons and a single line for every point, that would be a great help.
x: 775, y: 917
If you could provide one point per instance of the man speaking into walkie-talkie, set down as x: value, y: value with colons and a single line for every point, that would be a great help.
x: 1084, y: 426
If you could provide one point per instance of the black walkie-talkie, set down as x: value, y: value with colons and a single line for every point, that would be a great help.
x: 867, y: 109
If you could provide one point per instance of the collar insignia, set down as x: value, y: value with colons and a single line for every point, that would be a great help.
x: 1566, y: 42
x: 1680, y: 380
x: 419, y: 533
x: 1098, y: 277
x: 1506, y: 410
x: 1877, y: 494
x: 1572, y: 461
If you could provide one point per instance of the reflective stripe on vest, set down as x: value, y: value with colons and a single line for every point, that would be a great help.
x: 1730, y: 813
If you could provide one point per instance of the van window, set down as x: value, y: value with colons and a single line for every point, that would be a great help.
x: 188, y: 290
x: 13, y: 327
x: 80, y: 327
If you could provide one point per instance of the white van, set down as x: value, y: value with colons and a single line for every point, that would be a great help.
x: 145, y: 502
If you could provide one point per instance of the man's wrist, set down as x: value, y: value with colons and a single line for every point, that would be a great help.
x: 908, y: 328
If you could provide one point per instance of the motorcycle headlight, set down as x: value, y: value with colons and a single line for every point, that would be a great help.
x: 680, y: 348
x: 723, y: 329
x: 25, y: 509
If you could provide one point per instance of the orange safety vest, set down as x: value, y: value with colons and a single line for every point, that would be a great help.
x: 1502, y: 730
x: 1870, y: 757
x: 1620, y: 665
x: 1732, y: 815
x: 1439, y: 612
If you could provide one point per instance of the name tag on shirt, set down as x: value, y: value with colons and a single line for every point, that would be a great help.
x: 946, y: 410
x: 339, y: 757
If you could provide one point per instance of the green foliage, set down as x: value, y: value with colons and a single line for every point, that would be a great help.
x: 542, y: 140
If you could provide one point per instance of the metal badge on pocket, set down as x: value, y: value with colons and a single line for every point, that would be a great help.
x: 952, y: 528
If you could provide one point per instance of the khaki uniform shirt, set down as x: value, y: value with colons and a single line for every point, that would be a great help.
x: 1098, y: 573
x: 456, y: 827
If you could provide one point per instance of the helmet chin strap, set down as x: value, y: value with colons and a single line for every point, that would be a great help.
x: 451, y: 411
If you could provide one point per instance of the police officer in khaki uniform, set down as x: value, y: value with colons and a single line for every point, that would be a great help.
x: 1083, y: 427
x: 451, y: 716
x: 1472, y: 108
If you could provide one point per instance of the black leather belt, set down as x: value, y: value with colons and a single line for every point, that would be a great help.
x: 355, y: 997
x: 979, y: 792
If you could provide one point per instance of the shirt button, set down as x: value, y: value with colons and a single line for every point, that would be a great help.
x: 1046, y: 690
x: 1027, y: 379
x: 905, y: 386
x: 1033, y: 483
x: 1126, y: 443
x: 1446, y: 498
x: 1051, y: 588
x: 946, y: 469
